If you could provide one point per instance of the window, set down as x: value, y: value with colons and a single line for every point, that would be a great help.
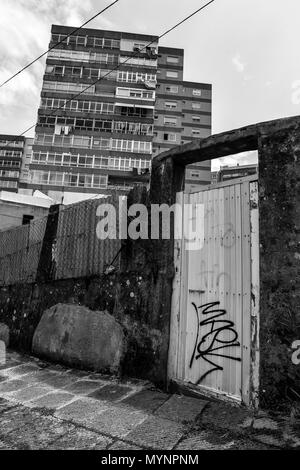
x: 8, y: 184
x: 171, y: 74
x: 170, y: 121
x: 67, y: 179
x: 136, y: 93
x: 170, y: 137
x: 172, y: 59
x: 26, y: 219
x: 143, y: 61
x: 196, y: 118
x: 170, y: 105
x: 196, y: 92
x: 138, y: 46
x: 66, y: 87
x: 196, y: 105
x: 80, y: 40
x: 196, y: 132
x: 133, y: 77
x: 171, y: 89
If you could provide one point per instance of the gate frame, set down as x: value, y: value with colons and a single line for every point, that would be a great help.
x: 250, y: 389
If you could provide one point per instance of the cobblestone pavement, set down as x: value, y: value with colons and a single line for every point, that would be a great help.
x: 44, y: 406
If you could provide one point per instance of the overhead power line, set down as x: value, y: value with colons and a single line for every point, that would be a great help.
x: 60, y: 42
x: 52, y: 113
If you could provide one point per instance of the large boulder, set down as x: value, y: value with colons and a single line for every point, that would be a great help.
x: 80, y: 337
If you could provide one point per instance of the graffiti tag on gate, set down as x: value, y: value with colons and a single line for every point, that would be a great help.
x: 212, y: 344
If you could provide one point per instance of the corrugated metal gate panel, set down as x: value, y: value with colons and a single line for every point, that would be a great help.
x: 78, y: 250
x: 213, y: 309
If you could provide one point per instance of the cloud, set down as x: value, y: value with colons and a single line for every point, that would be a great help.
x: 239, y: 65
x: 24, y: 34
x: 244, y: 158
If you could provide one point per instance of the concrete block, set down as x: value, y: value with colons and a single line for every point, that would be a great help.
x: 80, y: 337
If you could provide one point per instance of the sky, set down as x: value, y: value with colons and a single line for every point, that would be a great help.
x: 247, y: 49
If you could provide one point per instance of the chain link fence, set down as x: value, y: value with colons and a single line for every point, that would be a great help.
x: 20, y: 249
x: 76, y: 250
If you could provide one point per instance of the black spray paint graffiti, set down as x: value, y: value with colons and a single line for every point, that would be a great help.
x: 207, y: 345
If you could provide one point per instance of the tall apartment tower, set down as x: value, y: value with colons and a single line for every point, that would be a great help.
x: 105, y: 138
x: 15, y: 157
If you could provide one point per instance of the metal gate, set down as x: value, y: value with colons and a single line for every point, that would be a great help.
x: 215, y: 302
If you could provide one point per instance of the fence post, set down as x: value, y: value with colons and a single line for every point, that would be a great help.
x: 46, y: 267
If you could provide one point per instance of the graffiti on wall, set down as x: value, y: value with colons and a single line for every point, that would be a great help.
x: 214, y: 277
x: 212, y: 344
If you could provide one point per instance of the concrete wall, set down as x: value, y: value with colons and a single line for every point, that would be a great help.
x: 279, y: 206
x: 11, y: 215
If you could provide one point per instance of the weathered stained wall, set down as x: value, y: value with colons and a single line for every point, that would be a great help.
x: 126, y: 296
x: 279, y: 206
x: 138, y: 295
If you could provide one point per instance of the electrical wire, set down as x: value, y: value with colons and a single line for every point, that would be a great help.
x: 122, y: 63
x: 60, y: 42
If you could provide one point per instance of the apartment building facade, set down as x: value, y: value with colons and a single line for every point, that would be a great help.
x: 12, y: 151
x: 102, y: 138
x: 230, y: 172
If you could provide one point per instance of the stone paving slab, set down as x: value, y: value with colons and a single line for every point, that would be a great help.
x: 34, y: 376
x: 265, y: 423
x: 83, y: 387
x: 120, y: 445
x: 57, y: 379
x: 202, y: 442
x: 111, y: 392
x: 223, y: 415
x: 116, y: 421
x: 19, y: 370
x: 4, y: 446
x: 16, y: 418
x: 39, y: 433
x: 5, y: 405
x: 269, y: 440
x: 146, y: 400
x: 11, y: 386
x: 80, y: 439
x: 181, y: 409
x: 157, y: 433
x: 80, y: 374
x: 81, y: 410
x: 52, y: 401
x: 29, y: 393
